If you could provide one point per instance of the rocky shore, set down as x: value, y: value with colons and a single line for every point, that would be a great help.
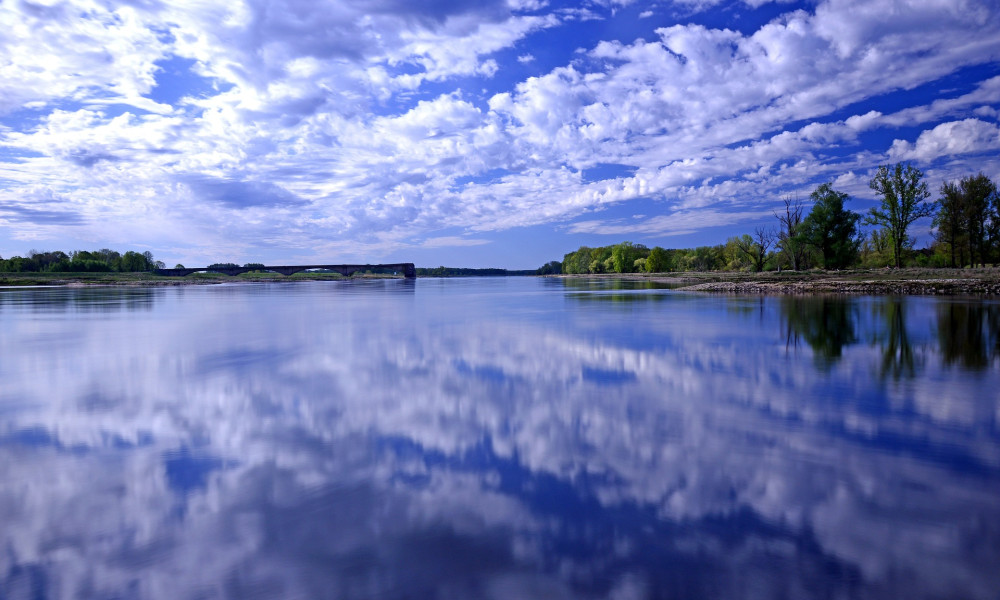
x: 981, y: 282
x: 910, y: 287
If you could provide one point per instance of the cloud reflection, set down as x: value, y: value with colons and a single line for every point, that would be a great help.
x: 496, y: 439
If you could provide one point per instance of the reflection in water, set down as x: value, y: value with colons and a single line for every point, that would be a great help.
x: 90, y: 299
x: 898, y: 358
x: 827, y: 324
x: 494, y: 438
x: 969, y: 334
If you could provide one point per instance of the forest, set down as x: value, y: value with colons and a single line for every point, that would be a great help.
x: 81, y: 261
x: 966, y: 221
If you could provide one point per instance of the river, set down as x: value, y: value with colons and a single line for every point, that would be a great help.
x: 505, y: 438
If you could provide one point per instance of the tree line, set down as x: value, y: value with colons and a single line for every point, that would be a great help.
x: 80, y: 261
x: 966, y: 219
x: 443, y: 271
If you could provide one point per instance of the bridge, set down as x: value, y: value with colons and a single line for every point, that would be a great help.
x: 407, y: 269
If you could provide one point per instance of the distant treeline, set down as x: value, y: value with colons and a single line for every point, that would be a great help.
x: 966, y: 218
x: 456, y: 272
x: 81, y: 261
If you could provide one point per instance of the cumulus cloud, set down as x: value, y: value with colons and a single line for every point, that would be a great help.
x: 391, y: 120
x: 949, y: 139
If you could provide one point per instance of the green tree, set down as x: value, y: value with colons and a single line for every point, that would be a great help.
x: 18, y: 264
x: 624, y: 255
x: 658, y: 261
x: 553, y: 267
x: 600, y: 260
x: 735, y: 254
x: 621, y: 256
x: 755, y: 247
x: 876, y: 249
x: 979, y: 199
x: 831, y: 228
x: 902, y: 192
x: 949, y: 221
x: 577, y: 262
x: 703, y: 258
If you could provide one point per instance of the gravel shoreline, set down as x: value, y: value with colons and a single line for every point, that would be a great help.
x: 981, y: 282
x: 913, y: 287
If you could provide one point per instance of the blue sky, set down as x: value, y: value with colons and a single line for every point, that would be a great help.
x: 499, y: 133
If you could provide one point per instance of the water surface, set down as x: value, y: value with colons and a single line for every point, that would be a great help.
x: 495, y: 438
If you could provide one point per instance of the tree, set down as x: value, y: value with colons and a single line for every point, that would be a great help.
x: 621, y: 256
x: 979, y: 194
x: 132, y: 262
x: 736, y: 253
x: 705, y: 258
x: 624, y: 255
x: 790, y: 240
x: 553, y: 267
x: 949, y: 222
x: 577, y: 262
x: 755, y: 247
x: 902, y: 194
x: 658, y: 261
x: 876, y: 249
x: 831, y: 228
x: 600, y: 260
x: 763, y: 237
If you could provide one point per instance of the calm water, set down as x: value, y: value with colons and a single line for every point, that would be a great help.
x: 495, y: 438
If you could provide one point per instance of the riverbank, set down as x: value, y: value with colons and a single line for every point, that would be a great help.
x: 984, y: 282
x: 149, y: 279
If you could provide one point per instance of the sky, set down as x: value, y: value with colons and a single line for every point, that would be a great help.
x: 486, y: 133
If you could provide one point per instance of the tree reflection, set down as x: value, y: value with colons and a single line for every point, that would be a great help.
x: 898, y: 358
x: 826, y: 324
x: 620, y: 292
x: 967, y: 334
x: 86, y: 300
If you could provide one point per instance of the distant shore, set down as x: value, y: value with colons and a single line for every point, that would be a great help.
x: 149, y: 279
x: 983, y: 282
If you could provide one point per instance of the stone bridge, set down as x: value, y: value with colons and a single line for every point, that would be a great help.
x: 346, y: 270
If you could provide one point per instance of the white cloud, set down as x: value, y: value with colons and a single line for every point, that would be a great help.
x: 365, y: 113
x: 452, y: 241
x: 678, y: 223
x: 51, y: 53
x: 949, y: 139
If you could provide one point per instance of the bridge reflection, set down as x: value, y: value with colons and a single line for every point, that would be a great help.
x: 406, y: 269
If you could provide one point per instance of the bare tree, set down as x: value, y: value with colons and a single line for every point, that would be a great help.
x: 763, y: 237
x: 789, y: 240
x: 755, y: 247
